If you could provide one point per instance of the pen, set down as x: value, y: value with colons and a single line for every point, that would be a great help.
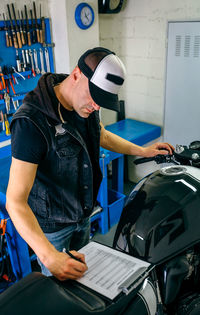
x: 72, y: 256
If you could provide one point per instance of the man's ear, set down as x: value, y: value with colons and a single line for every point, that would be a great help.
x: 76, y: 73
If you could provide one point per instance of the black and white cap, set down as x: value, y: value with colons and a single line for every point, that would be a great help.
x: 105, y: 73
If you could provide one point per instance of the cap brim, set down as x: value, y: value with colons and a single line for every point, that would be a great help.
x: 104, y: 98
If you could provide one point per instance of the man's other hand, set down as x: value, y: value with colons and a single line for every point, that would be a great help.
x: 158, y: 148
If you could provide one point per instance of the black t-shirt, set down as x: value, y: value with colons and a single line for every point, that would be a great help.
x: 27, y: 142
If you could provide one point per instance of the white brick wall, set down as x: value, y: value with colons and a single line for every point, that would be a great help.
x: 138, y: 35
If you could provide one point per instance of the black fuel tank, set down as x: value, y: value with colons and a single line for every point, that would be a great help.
x: 162, y: 217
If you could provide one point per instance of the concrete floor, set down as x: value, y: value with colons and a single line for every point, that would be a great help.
x: 106, y: 239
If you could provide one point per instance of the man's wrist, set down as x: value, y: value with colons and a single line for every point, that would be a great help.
x: 46, y: 255
x: 138, y: 150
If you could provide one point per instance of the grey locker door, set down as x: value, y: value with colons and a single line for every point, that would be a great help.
x: 182, y: 94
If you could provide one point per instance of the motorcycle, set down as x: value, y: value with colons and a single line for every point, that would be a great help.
x: 160, y: 225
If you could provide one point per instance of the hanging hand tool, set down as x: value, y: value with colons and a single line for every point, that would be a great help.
x: 7, y: 102
x: 12, y: 76
x: 15, y: 80
x: 12, y: 28
x: 24, y: 60
x: 42, y: 61
x: 27, y: 26
x: 27, y: 57
x: 6, y: 71
x: 2, y: 120
x: 42, y: 29
x: 7, y: 125
x: 9, y: 34
x: 32, y: 62
x: 14, y: 104
x: 12, y: 87
x: 36, y: 24
x: 19, y: 74
x: 2, y: 78
x: 6, y: 31
x: 24, y: 27
x: 34, y: 35
x: 40, y: 25
x: 7, y: 87
x: 46, y: 52
x: 21, y: 30
x: 18, y: 62
x: 37, y: 70
x: 16, y: 27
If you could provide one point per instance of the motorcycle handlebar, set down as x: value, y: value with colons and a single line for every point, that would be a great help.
x: 182, y: 155
x: 158, y: 159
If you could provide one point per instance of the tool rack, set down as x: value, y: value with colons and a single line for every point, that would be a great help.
x: 26, y: 79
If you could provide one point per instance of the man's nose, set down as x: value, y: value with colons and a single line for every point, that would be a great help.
x: 96, y: 107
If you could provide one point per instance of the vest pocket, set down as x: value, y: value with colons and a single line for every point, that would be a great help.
x: 70, y: 151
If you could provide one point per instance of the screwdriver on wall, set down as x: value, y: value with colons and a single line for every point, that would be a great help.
x: 6, y: 31
x: 21, y: 30
x: 34, y: 35
x: 36, y: 24
x: 12, y: 28
x: 16, y: 27
x: 24, y: 27
x: 27, y: 26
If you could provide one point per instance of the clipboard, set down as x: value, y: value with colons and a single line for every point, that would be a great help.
x: 111, y: 272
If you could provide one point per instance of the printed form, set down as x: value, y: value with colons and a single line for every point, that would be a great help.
x: 110, y: 271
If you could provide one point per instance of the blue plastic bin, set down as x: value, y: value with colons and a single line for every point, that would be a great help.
x: 115, y: 206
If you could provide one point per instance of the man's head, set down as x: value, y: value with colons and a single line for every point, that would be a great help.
x: 94, y: 83
x: 105, y: 73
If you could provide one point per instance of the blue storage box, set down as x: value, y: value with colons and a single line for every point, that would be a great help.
x: 115, y: 206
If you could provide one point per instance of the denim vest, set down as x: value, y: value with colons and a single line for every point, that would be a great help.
x: 64, y: 190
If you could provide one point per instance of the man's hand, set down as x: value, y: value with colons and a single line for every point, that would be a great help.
x: 158, y: 148
x: 63, y: 267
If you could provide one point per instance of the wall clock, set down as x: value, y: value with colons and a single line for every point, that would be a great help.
x: 84, y: 15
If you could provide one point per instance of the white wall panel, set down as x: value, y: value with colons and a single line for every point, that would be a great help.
x: 182, y: 103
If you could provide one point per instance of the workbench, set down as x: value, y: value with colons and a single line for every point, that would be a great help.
x: 111, y: 201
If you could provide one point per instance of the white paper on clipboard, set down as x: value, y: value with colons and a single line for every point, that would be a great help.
x: 110, y: 270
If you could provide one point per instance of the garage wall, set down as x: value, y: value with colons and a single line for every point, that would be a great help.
x: 138, y: 35
x: 70, y: 40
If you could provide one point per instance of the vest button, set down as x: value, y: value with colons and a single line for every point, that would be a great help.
x: 85, y: 165
x: 85, y: 187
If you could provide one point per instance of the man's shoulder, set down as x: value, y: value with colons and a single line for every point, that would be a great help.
x: 26, y: 110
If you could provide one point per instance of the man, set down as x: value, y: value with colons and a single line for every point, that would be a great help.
x: 55, y: 174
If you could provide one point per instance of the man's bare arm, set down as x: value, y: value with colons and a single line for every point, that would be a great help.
x: 112, y: 142
x: 22, y: 176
